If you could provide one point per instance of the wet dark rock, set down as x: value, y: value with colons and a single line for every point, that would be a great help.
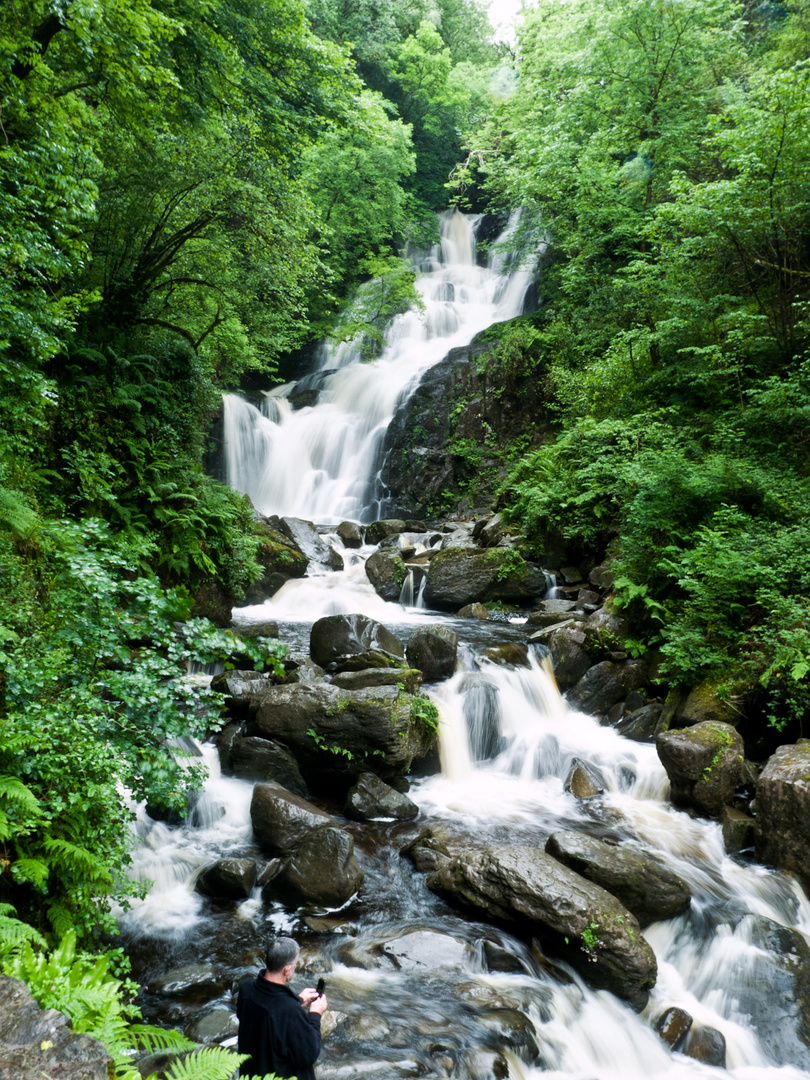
x: 350, y: 533
x: 387, y: 572
x: 492, y: 531
x: 526, y: 886
x: 225, y: 740
x: 571, y: 575
x: 640, y: 882
x: 228, y: 879
x: 643, y: 725
x: 570, y: 658
x: 702, y: 704
x: 601, y: 577
x: 427, y: 950
x: 427, y: 851
x: 300, y: 668
x: 352, y: 729
x: 783, y: 810
x: 190, y: 983
x: 37, y: 1043
x: 608, y: 625
x: 458, y: 576
x: 704, y: 765
x: 583, y: 782
x: 473, y: 611
x: 738, y: 829
x: 303, y: 535
x: 353, y: 642
x: 213, y: 1027
x: 510, y: 654
x: 380, y: 530
x: 510, y: 1029
x: 433, y: 649
x: 410, y: 678
x: 549, y: 611
x: 280, y: 558
x: 254, y: 758
x: 496, y: 958
x: 588, y: 598
x: 238, y: 685
x: 707, y: 1045
x: 323, y: 872
x: 372, y: 798
x: 780, y: 1014
x: 605, y: 684
x: 281, y: 820
x: 673, y: 1026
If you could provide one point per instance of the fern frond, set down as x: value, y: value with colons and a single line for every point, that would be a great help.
x: 212, y: 1063
x: 15, y: 793
x: 13, y: 932
x: 70, y: 856
x: 29, y: 869
x: 60, y: 919
x: 150, y: 1039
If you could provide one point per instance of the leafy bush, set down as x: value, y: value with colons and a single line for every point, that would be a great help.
x: 92, y: 699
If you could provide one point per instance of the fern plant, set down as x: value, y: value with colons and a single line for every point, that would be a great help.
x: 98, y: 1004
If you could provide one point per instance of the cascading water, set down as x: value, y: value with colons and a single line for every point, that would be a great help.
x: 410, y: 976
x: 320, y: 462
x: 420, y: 989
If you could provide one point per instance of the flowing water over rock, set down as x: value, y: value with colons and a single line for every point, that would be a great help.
x: 418, y: 987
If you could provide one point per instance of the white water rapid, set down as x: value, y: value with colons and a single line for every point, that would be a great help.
x: 417, y: 988
x: 320, y: 462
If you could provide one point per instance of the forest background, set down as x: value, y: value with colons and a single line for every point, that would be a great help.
x: 191, y: 192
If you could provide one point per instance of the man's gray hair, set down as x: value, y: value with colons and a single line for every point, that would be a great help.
x: 280, y: 952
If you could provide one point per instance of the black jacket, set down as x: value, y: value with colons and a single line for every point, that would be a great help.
x: 280, y: 1035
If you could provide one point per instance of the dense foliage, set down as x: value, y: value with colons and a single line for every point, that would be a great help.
x: 663, y: 151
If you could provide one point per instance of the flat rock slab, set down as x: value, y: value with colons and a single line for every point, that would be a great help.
x: 582, y: 921
x: 645, y: 887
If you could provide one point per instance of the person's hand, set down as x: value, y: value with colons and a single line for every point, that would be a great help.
x: 319, y: 1005
x: 308, y: 995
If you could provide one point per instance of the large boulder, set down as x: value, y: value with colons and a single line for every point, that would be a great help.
x: 580, y: 920
x: 280, y: 559
x: 783, y: 810
x: 459, y: 576
x: 380, y: 530
x: 372, y: 798
x: 307, y: 539
x: 704, y: 764
x: 281, y: 820
x: 433, y: 650
x: 350, y: 533
x: 570, y: 658
x: 323, y: 872
x: 387, y: 572
x: 254, y: 758
x: 354, y: 642
x: 606, y: 683
x: 334, y: 732
x: 700, y: 704
x: 228, y: 879
x: 643, y: 885
x: 35, y: 1042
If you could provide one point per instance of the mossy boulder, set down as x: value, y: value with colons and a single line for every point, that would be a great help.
x: 704, y: 764
x: 280, y: 560
x: 783, y: 810
x: 387, y: 573
x: 460, y: 576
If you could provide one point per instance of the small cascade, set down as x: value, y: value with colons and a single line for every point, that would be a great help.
x: 319, y: 462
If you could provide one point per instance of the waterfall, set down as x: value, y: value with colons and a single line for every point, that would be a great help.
x: 319, y: 462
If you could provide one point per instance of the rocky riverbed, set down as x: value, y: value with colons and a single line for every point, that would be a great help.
x: 567, y: 869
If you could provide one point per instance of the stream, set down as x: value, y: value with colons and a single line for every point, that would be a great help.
x: 415, y: 987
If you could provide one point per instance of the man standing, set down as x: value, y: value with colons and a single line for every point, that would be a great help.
x: 279, y: 1029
